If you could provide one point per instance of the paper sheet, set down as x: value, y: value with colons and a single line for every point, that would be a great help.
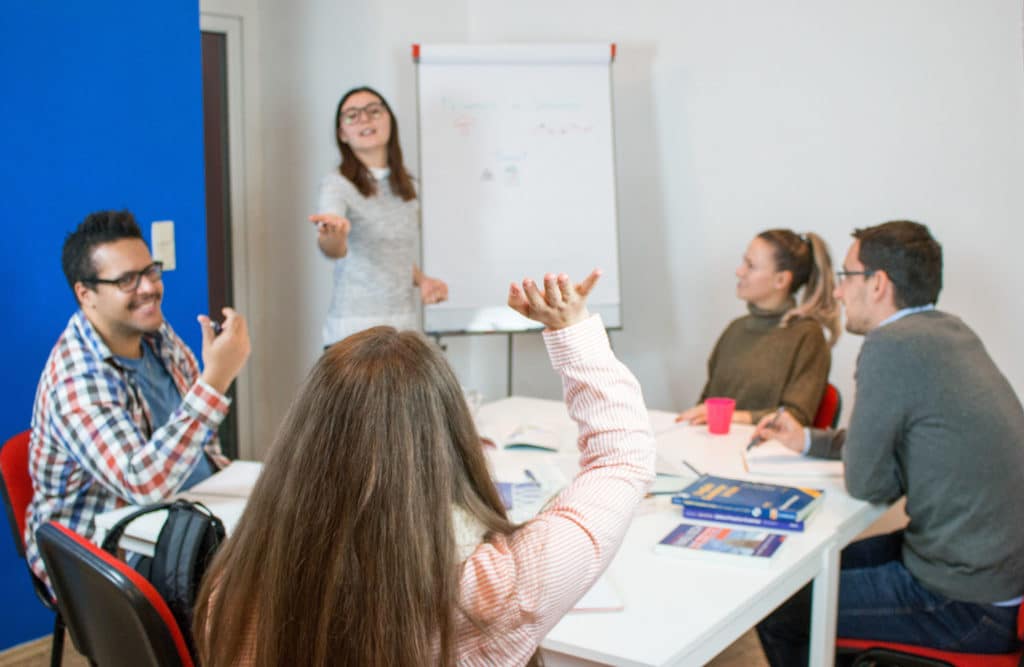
x: 602, y: 596
x: 771, y: 457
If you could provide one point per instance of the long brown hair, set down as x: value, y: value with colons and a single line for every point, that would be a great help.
x: 354, y: 170
x: 346, y: 552
x: 807, y: 259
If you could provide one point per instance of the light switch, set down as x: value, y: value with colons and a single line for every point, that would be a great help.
x: 162, y: 233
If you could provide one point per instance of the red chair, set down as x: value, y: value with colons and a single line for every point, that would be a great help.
x: 829, y: 408
x: 869, y: 652
x: 115, y: 617
x: 16, y: 489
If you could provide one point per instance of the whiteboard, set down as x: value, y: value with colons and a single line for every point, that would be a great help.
x: 517, y: 177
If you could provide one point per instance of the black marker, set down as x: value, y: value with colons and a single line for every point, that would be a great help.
x: 217, y: 327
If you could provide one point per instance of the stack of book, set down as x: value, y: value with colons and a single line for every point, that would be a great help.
x: 747, y: 503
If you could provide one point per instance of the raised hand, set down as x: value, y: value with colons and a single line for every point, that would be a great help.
x: 558, y: 305
x: 224, y: 354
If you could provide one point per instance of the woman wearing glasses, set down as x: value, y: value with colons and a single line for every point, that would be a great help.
x: 368, y: 223
x: 776, y: 355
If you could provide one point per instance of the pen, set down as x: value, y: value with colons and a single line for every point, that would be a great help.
x: 688, y: 465
x: 532, y: 477
x: 756, y: 440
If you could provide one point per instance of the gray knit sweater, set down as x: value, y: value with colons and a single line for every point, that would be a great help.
x: 373, y: 282
x: 935, y: 420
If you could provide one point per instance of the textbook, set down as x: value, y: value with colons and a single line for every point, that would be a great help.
x: 742, y: 519
x: 756, y: 499
x: 688, y: 540
x: 525, y: 437
x: 524, y: 491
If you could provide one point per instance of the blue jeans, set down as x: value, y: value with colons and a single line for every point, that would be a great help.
x: 879, y: 599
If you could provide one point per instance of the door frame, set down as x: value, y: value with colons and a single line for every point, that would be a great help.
x: 243, y: 160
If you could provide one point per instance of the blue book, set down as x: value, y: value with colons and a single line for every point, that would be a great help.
x: 741, y: 519
x: 688, y: 540
x: 757, y: 499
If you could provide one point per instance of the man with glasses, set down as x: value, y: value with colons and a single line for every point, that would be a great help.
x: 122, y: 413
x: 935, y: 421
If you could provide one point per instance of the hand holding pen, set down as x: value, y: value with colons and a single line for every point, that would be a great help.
x: 764, y: 425
x: 784, y: 427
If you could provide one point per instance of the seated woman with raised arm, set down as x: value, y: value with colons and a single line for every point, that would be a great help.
x: 375, y: 535
x: 777, y: 354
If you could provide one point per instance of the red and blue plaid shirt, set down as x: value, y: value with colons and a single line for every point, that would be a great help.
x: 94, y: 446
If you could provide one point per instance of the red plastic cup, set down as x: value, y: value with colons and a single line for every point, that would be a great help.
x: 719, y: 414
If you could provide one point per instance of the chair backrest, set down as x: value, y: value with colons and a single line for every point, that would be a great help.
x: 1020, y: 623
x: 16, y: 485
x: 829, y: 408
x: 114, y: 615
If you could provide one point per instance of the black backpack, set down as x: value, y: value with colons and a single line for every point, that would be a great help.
x: 185, y: 547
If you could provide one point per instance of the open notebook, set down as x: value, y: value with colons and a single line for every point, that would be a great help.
x: 771, y: 457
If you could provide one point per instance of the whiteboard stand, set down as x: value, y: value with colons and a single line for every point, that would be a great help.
x: 516, y: 176
x: 508, y: 375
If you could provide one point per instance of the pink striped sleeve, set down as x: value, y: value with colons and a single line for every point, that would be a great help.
x: 521, y: 585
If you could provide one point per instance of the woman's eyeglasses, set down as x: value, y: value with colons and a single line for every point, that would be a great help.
x: 373, y: 111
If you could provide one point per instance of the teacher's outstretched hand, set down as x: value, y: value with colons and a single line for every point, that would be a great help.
x: 558, y: 305
x: 332, y: 233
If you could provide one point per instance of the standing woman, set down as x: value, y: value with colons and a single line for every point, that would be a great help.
x: 776, y: 355
x: 368, y: 223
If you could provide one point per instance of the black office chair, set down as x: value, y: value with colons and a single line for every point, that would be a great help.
x: 114, y: 616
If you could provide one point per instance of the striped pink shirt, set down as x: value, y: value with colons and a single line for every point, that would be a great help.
x: 521, y: 585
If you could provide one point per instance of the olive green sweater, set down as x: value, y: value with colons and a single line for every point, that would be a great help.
x: 763, y: 365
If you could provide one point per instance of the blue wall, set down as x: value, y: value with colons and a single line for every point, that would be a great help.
x: 101, y: 103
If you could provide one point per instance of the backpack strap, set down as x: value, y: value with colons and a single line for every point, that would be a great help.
x: 187, y: 541
x: 113, y: 535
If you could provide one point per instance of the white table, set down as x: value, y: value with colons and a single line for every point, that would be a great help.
x: 684, y: 612
x: 677, y: 612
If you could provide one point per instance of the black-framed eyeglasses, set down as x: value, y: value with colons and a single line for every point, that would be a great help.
x: 129, y: 282
x: 843, y: 274
x: 373, y: 111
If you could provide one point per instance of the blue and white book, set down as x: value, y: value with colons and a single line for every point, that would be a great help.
x: 756, y: 499
x: 741, y: 519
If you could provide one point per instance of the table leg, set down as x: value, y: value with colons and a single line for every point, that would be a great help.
x: 824, y: 607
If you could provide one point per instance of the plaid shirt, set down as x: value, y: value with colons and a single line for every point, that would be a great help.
x: 94, y: 447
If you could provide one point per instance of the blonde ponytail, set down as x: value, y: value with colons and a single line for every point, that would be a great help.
x: 807, y: 258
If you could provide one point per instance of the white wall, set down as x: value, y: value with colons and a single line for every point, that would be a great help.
x: 731, y: 117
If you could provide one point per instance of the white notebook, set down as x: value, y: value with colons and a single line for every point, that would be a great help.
x: 771, y: 457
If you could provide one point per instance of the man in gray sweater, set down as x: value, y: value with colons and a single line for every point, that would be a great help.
x: 935, y: 420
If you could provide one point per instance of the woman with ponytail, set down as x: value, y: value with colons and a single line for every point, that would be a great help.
x: 777, y: 355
